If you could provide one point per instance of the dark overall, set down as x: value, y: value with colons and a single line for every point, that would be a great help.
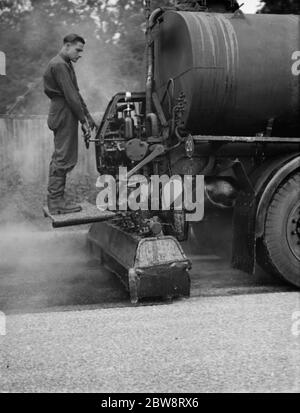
x: 66, y: 109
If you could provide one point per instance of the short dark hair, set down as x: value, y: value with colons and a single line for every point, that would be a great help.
x: 73, y: 38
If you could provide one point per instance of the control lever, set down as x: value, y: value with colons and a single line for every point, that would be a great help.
x: 88, y: 139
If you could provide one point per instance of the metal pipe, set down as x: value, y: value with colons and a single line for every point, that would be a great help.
x: 154, y: 15
x: 149, y: 81
x: 245, y: 139
x: 151, y: 20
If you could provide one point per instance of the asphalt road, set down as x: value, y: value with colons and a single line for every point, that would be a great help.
x: 209, y: 344
x: 71, y: 328
x: 52, y: 270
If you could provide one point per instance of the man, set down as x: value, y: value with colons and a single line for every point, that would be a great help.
x: 66, y: 109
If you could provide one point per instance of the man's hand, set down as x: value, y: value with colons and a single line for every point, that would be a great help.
x: 86, y: 130
x: 91, y: 122
x: 86, y: 133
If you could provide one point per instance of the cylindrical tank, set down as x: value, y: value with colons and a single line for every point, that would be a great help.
x: 235, y: 71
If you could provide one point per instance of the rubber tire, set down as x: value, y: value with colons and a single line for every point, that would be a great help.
x: 274, y: 253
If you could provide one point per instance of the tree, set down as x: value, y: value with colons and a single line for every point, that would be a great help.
x: 281, y: 6
x: 31, y: 33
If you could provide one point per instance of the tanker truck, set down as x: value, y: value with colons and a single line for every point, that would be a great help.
x: 221, y: 101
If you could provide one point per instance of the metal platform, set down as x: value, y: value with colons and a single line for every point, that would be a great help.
x: 148, y: 267
x: 89, y: 214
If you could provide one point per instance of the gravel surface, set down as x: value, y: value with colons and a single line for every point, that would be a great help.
x: 235, y: 344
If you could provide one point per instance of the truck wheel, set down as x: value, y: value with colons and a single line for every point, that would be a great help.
x: 279, y: 251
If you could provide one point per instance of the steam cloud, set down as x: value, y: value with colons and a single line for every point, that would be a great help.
x: 31, y: 253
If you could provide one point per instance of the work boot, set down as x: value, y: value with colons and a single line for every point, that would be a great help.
x: 72, y: 205
x: 60, y: 207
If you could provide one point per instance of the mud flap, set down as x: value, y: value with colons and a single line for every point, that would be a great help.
x: 89, y: 214
x: 244, y: 238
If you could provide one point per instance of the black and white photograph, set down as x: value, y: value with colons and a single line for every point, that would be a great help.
x: 149, y: 200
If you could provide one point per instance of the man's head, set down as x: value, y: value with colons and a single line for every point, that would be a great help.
x: 73, y: 47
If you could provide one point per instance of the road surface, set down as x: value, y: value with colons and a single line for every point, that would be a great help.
x: 209, y: 344
x: 70, y: 326
x: 44, y: 270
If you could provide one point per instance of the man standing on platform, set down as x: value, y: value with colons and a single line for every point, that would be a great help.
x: 66, y: 110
